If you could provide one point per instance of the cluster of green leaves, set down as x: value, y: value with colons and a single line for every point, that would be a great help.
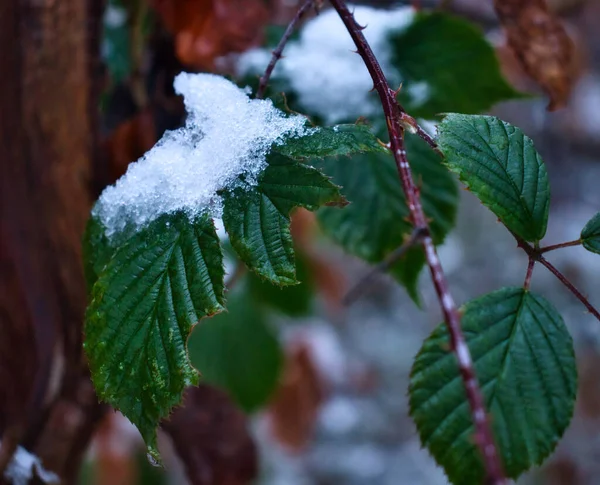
x: 149, y: 286
x: 458, y: 66
x: 522, y: 351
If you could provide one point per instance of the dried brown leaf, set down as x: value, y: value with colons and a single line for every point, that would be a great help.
x: 207, y: 29
x: 129, y: 141
x: 539, y: 40
x: 210, y: 435
x: 293, y: 410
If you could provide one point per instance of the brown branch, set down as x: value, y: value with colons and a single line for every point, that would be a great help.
x: 410, y: 124
x: 277, y: 53
x: 565, y: 281
x: 560, y: 245
x: 393, y: 111
x: 536, y: 254
x: 385, y: 265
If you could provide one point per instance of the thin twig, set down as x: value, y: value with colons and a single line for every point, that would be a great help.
x: 530, y: 266
x: 560, y: 245
x: 565, y: 281
x: 483, y: 431
x: 410, y: 124
x: 277, y: 53
x: 384, y: 266
x: 536, y: 254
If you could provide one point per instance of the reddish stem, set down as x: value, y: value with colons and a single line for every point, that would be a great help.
x: 277, y: 53
x: 536, y: 254
x: 560, y: 245
x: 394, y: 116
x: 529, y: 273
x: 563, y: 279
x: 409, y: 123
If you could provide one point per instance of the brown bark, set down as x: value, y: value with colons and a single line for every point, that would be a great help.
x: 48, y: 130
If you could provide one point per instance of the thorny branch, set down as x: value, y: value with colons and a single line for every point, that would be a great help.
x: 396, y: 122
x: 277, y: 53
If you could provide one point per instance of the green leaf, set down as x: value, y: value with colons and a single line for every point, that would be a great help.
x: 340, y: 140
x: 238, y: 352
x: 293, y: 301
x: 156, y: 286
x: 525, y: 364
x: 590, y: 235
x: 500, y: 165
x: 376, y: 221
x: 97, y: 250
x: 257, y: 219
x: 446, y: 64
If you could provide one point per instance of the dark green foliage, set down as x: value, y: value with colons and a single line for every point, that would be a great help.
x: 257, y: 219
x: 376, y: 221
x: 590, y: 234
x: 525, y: 364
x: 143, y: 305
x: 451, y: 62
x: 500, y: 165
x: 237, y: 351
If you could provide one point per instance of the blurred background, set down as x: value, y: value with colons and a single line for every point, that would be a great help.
x: 85, y: 89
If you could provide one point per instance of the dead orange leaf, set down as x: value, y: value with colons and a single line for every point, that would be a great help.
x: 293, y: 410
x: 540, y: 42
x: 129, y: 141
x: 207, y: 29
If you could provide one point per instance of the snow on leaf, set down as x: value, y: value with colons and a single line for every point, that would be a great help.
x: 226, y: 135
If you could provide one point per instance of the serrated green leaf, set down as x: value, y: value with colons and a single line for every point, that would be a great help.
x: 237, y: 351
x: 376, y: 221
x: 97, y: 250
x: 146, y: 299
x: 501, y: 166
x: 525, y: 364
x: 340, y: 140
x: 257, y: 219
x: 446, y: 64
x: 590, y: 235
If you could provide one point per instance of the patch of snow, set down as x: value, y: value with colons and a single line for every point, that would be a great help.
x: 226, y: 135
x: 23, y: 466
x: 339, y: 416
x: 322, y: 67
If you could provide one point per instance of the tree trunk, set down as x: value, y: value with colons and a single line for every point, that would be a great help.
x: 49, y: 69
